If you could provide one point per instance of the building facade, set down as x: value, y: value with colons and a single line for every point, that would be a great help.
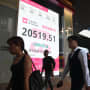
x: 8, y: 28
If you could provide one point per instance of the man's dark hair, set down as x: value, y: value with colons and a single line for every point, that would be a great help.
x: 46, y: 51
x: 73, y: 37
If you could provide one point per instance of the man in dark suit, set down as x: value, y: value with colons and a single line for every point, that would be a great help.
x: 77, y: 64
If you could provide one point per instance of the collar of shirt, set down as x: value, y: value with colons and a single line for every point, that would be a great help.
x: 72, y: 53
x: 76, y: 49
x: 83, y: 49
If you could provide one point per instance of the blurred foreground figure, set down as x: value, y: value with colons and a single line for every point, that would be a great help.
x: 77, y: 64
x: 22, y: 65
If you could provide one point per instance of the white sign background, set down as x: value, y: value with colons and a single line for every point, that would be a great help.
x: 39, y: 28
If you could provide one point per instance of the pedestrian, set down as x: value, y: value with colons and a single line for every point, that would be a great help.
x: 48, y: 66
x: 22, y: 65
x: 77, y: 64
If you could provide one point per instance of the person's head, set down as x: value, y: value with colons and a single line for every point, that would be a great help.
x: 16, y: 45
x: 46, y: 52
x: 73, y: 41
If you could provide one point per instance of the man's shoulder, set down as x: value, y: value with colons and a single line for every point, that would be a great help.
x: 50, y: 57
x: 44, y: 59
x: 83, y: 50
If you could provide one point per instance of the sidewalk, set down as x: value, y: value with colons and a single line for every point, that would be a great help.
x: 66, y: 85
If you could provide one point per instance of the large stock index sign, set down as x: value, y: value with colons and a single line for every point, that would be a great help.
x: 39, y: 28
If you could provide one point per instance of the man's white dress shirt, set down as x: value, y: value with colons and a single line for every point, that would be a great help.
x: 84, y: 63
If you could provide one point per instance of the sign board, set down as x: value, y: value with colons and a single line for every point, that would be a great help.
x: 39, y: 28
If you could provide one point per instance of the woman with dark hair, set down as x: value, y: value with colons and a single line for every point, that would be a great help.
x: 22, y: 65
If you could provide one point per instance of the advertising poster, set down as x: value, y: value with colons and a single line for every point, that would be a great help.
x: 39, y: 28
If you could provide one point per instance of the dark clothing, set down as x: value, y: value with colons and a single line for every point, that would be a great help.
x: 48, y: 65
x: 76, y: 72
x: 48, y: 80
x: 18, y: 75
x: 75, y: 85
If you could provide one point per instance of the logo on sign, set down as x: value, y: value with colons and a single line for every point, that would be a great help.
x: 25, y: 20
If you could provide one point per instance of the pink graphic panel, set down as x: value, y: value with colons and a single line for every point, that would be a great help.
x: 38, y: 63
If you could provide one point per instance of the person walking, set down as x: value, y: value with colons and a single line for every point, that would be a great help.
x: 22, y: 65
x: 48, y: 66
x: 77, y: 64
